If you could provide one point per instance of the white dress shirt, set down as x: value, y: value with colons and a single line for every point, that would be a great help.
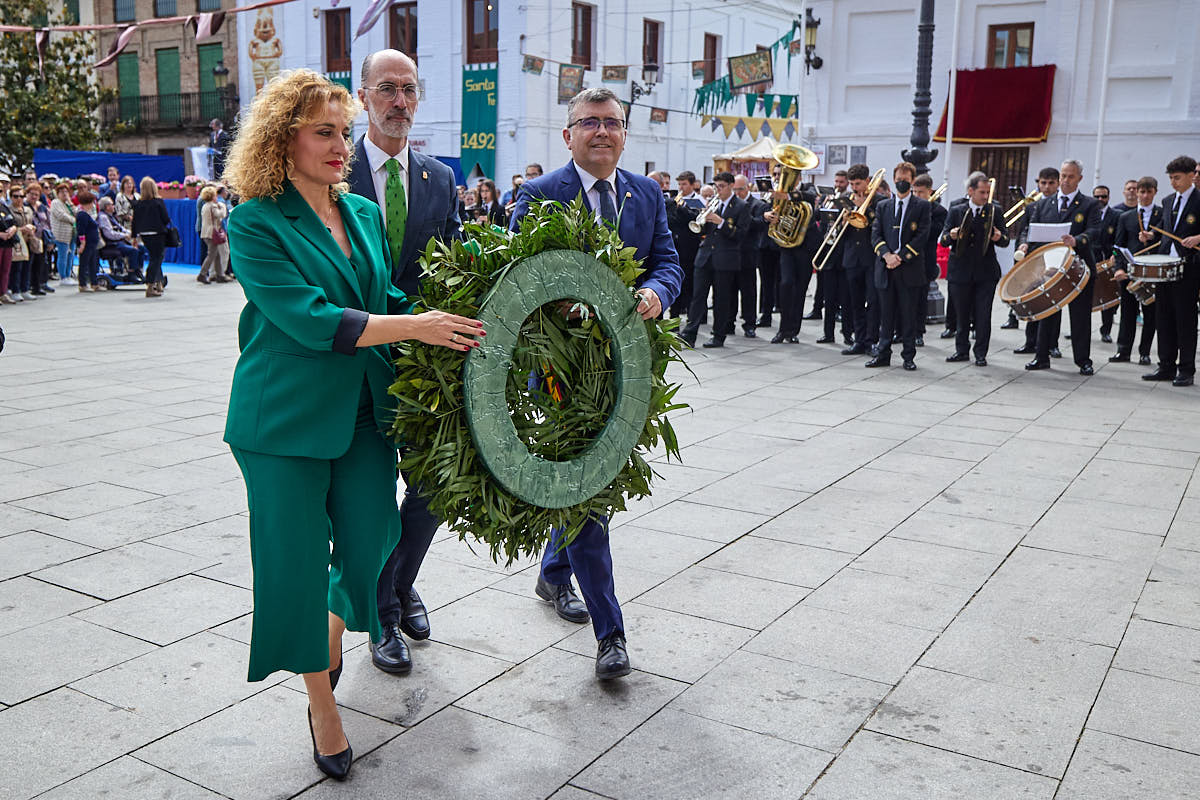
x: 377, y: 160
x: 588, y: 181
x: 1183, y: 201
x: 1069, y: 197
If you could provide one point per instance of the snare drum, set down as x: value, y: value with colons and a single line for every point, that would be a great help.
x: 1156, y: 268
x: 1107, y: 292
x: 1144, y: 292
x: 1043, y: 282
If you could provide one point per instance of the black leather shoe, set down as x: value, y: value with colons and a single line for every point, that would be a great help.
x: 813, y: 315
x: 1035, y: 364
x: 414, y: 619
x: 792, y: 340
x: 1087, y: 369
x: 1159, y: 375
x: 1144, y: 360
x: 1106, y: 338
x: 714, y: 342
x: 1055, y: 352
x: 47, y: 288
x: 391, y: 654
x: 749, y: 333
x: 981, y: 362
x: 336, y: 766
x: 957, y: 357
x: 855, y: 350
x: 879, y: 361
x: 1118, y: 358
x: 690, y: 341
x: 825, y: 340
x: 848, y: 341
x: 728, y: 331
x: 764, y: 321
x: 612, y: 660
x: 947, y: 334
x: 909, y: 364
x: 920, y: 341
x: 778, y: 338
x: 1024, y: 350
x: 566, y: 603
x: 1010, y: 323
x: 1182, y: 380
x: 873, y: 349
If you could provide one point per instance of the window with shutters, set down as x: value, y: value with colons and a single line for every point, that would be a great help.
x: 652, y: 43
x: 71, y: 9
x: 211, y: 101
x: 164, y: 8
x: 128, y: 87
x: 712, y: 52
x: 402, y: 28
x: 208, y: 5
x: 483, y: 31
x: 166, y: 78
x: 1008, y: 165
x: 1010, y: 45
x: 582, y: 31
x: 124, y: 10
x: 337, y: 46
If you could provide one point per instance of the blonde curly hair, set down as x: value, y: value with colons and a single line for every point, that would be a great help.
x: 259, y: 159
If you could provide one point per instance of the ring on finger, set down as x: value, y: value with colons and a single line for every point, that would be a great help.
x: 454, y: 338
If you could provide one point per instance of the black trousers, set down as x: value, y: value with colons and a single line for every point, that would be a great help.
x: 687, y: 261
x: 400, y: 570
x: 747, y: 289
x: 837, y: 296
x: 1080, y: 311
x: 1176, y: 301
x: 1130, y: 308
x: 819, y: 292
x: 768, y: 278
x: 921, y: 304
x: 1106, y: 320
x: 973, y: 299
x: 951, y: 309
x: 861, y: 292
x: 795, y: 272
x: 897, y: 314
x: 723, y: 284
x: 156, y: 248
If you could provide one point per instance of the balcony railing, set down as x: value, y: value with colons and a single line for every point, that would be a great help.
x: 189, y: 110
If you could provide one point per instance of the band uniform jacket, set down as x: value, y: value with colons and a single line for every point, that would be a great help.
x: 1128, y: 228
x: 856, y: 244
x: 813, y: 235
x: 1103, y: 243
x: 723, y: 246
x: 757, y: 232
x: 937, y: 220
x: 1084, y: 215
x: 976, y: 262
x: 1189, y: 225
x: 905, y: 237
x: 678, y: 217
x: 432, y: 204
x: 642, y: 224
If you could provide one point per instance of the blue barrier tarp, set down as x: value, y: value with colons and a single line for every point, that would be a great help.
x: 183, y: 217
x: 70, y: 163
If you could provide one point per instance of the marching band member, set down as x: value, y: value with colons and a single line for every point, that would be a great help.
x: 923, y: 188
x: 795, y: 270
x: 682, y: 210
x: 747, y: 287
x: 829, y: 203
x: 898, y: 234
x: 858, y: 263
x: 973, y: 230
x: 1102, y: 249
x: 1044, y: 210
x: 1134, y: 233
x: 1176, y: 300
x: 951, y: 329
x: 718, y: 262
x: 1083, y: 213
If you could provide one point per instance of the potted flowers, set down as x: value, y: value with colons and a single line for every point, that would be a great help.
x: 170, y: 191
x: 192, y: 185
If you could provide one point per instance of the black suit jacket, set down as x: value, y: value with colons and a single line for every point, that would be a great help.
x: 857, y: 252
x: 906, y: 238
x: 432, y: 210
x: 937, y: 220
x: 1103, y: 243
x: 1084, y: 215
x: 1189, y: 225
x: 756, y: 207
x: 1128, y: 228
x: 978, y: 262
x: 723, y: 246
x: 678, y: 218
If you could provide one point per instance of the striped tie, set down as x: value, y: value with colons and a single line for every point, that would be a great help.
x: 396, y: 210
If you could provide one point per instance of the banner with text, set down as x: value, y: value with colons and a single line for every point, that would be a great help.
x: 479, y: 121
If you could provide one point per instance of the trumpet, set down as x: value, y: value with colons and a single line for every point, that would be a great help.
x: 1018, y: 210
x: 933, y: 198
x: 856, y: 217
x: 697, y: 225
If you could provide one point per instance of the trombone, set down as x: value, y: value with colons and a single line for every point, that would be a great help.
x: 856, y: 218
x: 933, y: 198
x: 1018, y: 210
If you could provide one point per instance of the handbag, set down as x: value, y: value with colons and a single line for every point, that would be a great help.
x: 171, y: 237
x: 219, y: 236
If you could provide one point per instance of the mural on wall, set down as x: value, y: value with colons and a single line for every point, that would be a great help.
x: 265, y: 49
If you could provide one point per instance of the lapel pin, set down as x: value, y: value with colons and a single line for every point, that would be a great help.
x: 424, y: 175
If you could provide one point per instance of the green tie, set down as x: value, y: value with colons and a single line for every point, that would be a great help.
x: 396, y: 209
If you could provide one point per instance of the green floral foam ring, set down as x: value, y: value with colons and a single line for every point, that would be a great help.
x: 540, y: 279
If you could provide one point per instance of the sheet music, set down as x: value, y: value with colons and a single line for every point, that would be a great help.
x: 1048, y: 231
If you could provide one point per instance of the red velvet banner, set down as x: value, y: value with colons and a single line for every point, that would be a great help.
x: 1001, y: 106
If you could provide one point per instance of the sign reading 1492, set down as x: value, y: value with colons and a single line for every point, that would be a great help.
x: 479, y: 141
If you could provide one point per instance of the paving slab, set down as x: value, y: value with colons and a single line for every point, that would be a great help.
x: 173, y: 610
x: 1107, y: 767
x: 1149, y: 709
x: 28, y: 551
x: 122, y: 570
x: 904, y: 601
x: 129, y: 778
x: 725, y: 597
x: 26, y: 602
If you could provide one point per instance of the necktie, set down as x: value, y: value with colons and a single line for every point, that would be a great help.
x: 608, y: 211
x: 1065, y: 203
x: 1175, y: 211
x: 396, y: 210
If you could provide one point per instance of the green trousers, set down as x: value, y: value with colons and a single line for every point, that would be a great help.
x: 298, y: 507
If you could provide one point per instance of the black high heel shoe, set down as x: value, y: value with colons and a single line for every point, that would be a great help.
x: 336, y: 766
x: 335, y: 675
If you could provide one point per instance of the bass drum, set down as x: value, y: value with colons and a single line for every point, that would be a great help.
x: 1143, y: 291
x: 1107, y: 292
x: 1043, y: 282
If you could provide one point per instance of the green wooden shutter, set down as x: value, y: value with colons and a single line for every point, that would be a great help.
x: 128, y: 87
x: 166, y: 65
x: 207, y: 57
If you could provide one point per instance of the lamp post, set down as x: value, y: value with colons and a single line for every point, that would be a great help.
x: 649, y: 78
x: 811, y: 59
x: 920, y: 155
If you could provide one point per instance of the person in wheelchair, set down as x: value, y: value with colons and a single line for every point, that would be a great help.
x: 117, y: 244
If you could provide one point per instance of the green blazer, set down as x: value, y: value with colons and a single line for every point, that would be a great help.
x: 297, y: 384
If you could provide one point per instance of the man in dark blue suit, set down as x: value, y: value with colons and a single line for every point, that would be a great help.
x: 595, y: 135
x: 418, y: 199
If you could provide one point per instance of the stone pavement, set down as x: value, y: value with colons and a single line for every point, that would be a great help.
x: 952, y: 583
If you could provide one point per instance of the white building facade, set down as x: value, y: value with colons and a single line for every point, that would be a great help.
x: 1147, y: 70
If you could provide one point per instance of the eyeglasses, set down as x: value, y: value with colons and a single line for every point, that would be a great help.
x: 1101, y: 197
x: 592, y: 124
x: 388, y: 91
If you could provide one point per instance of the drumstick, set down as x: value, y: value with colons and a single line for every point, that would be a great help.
x: 1146, y: 249
x: 1169, y: 235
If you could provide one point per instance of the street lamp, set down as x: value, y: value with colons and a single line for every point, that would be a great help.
x: 220, y: 76
x: 811, y: 59
x: 649, y: 77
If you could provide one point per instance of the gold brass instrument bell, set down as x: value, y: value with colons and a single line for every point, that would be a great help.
x: 1018, y: 210
x: 856, y: 217
x: 792, y: 217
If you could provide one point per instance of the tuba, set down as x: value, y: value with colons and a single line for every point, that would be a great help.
x: 792, y: 217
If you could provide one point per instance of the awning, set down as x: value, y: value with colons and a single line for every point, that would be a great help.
x: 1001, y: 106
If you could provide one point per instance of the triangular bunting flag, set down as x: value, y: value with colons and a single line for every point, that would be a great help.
x: 728, y: 124
x: 705, y: 120
x: 768, y: 104
x: 777, y: 126
x: 207, y: 25
x: 751, y: 103
x: 40, y: 40
x: 785, y: 104
x: 117, y: 46
x: 374, y: 12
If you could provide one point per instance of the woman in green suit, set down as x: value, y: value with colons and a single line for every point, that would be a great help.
x: 310, y: 391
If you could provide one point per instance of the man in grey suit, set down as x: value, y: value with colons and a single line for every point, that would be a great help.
x: 418, y: 199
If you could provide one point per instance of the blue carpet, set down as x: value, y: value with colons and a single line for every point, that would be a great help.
x: 180, y: 269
